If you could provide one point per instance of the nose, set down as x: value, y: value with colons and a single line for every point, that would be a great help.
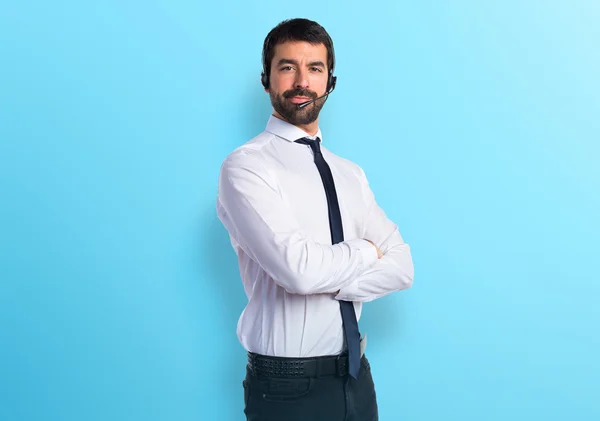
x: 301, y: 79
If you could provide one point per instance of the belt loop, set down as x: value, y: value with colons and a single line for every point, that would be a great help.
x: 338, y: 370
x: 317, y: 368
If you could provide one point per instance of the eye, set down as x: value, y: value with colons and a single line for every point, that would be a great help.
x: 316, y: 69
x: 286, y: 68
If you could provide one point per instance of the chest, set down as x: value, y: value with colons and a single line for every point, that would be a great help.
x: 303, y: 190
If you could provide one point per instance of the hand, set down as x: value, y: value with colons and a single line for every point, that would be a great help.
x: 379, y: 253
x: 379, y: 256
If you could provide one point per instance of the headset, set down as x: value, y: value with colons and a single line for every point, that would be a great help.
x: 331, y: 79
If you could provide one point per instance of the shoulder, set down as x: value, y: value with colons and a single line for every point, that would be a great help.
x: 249, y: 154
x: 249, y: 162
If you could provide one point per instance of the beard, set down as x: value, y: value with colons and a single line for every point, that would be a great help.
x: 290, y: 112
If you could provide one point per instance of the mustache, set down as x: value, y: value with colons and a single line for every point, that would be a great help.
x: 300, y: 92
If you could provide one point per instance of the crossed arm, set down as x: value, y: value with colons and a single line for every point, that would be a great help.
x: 250, y: 206
x: 394, y: 271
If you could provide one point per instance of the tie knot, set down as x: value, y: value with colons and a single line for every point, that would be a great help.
x: 315, y: 144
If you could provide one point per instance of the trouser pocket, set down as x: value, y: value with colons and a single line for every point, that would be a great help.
x: 278, y: 390
x: 246, y: 392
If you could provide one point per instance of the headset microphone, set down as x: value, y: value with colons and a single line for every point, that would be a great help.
x: 333, y: 81
x: 304, y: 104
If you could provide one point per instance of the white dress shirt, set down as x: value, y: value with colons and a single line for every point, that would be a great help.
x: 272, y: 202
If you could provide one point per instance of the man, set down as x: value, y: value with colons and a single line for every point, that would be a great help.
x: 312, y: 246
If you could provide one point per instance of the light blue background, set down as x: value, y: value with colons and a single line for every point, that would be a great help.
x: 477, y: 125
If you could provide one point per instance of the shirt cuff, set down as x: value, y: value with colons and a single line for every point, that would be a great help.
x: 348, y: 292
x: 369, y: 257
x: 366, y: 249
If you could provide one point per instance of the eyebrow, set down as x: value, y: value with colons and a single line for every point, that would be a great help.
x: 295, y: 63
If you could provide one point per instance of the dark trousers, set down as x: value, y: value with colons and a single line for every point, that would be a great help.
x: 325, y: 398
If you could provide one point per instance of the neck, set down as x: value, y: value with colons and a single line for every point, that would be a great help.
x: 311, y: 129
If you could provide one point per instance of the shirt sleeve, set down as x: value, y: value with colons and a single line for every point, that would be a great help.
x: 394, y: 271
x: 252, y: 209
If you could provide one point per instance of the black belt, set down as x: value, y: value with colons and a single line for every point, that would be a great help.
x: 263, y: 365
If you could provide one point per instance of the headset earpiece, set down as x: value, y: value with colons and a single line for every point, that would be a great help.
x: 331, y: 82
x: 331, y: 79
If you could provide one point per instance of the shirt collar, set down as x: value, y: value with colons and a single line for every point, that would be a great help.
x: 288, y: 131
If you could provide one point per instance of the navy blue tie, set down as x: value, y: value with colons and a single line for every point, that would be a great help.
x: 337, y: 235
